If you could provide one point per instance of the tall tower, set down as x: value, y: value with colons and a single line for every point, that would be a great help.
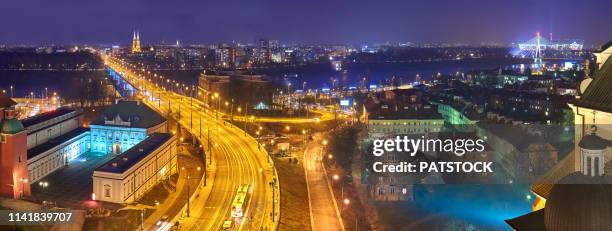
x: 136, y: 43
x: 537, y: 59
x: 14, y: 178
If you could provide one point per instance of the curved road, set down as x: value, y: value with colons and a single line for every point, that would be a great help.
x: 238, y: 160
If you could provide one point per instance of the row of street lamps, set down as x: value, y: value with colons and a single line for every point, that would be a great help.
x: 215, y: 95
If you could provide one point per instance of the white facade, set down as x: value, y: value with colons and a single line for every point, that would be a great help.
x: 45, y: 130
x: 56, y: 157
x: 378, y: 128
x: 131, y: 184
x: 593, y: 162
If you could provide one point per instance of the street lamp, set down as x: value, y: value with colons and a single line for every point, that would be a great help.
x: 43, y: 184
x: 216, y: 95
x: 336, y: 177
x: 188, y: 181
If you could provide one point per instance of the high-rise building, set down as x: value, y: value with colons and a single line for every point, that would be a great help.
x: 136, y: 43
x: 265, y: 51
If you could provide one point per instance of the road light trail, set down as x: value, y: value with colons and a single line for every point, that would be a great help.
x: 236, y: 154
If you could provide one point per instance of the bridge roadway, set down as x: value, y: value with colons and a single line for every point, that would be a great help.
x: 238, y: 158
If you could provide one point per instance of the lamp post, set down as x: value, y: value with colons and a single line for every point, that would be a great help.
x: 337, y: 178
x: 232, y: 111
x: 188, y: 178
x: 142, y: 219
x: 216, y: 95
x: 188, y: 189
x: 191, y: 109
x: 272, y: 184
x: 43, y: 184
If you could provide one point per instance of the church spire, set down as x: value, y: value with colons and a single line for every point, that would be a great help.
x: 136, y: 42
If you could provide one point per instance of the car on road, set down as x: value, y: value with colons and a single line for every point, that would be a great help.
x: 163, y: 220
x: 228, y: 225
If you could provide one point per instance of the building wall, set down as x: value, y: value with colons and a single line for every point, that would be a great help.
x: 132, y: 184
x: 43, y: 132
x: 104, y: 138
x: 379, y: 128
x: 453, y: 116
x: 584, y: 118
x: 57, y: 157
x: 389, y: 190
x: 210, y: 84
x: 13, y: 165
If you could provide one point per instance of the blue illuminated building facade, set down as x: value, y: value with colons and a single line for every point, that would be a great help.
x: 123, y: 125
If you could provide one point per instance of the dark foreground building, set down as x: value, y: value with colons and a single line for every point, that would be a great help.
x: 244, y: 90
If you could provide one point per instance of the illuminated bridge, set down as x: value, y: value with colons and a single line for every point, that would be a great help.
x: 539, y: 47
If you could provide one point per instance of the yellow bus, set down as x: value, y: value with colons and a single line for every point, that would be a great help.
x: 240, y: 201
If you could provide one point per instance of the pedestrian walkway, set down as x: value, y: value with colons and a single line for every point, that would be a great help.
x: 177, y: 199
x: 324, y: 214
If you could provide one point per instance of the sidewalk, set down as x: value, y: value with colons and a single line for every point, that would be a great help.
x: 204, y: 191
x: 324, y: 214
x: 176, y: 200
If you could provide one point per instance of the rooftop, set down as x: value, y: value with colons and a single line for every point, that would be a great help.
x: 597, y: 95
x: 33, y: 152
x: 129, y: 158
x: 605, y: 46
x: 46, y: 116
x: 134, y: 113
x: 399, y: 112
x: 400, y: 104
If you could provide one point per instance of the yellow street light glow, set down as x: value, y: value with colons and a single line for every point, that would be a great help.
x: 287, y: 128
x: 347, y: 201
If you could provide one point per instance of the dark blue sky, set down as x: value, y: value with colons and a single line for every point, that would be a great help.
x: 305, y: 21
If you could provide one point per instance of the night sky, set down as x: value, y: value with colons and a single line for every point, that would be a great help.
x: 355, y: 22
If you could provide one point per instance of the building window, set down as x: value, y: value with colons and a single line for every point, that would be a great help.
x: 107, y: 190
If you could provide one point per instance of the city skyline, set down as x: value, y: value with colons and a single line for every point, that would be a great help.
x: 318, y: 22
